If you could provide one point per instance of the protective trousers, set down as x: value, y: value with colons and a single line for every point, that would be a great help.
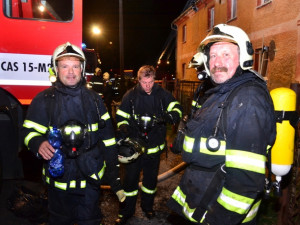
x: 150, y: 167
x: 67, y: 208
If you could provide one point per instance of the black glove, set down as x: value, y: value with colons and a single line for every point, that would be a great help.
x: 171, y: 117
x: 123, y: 132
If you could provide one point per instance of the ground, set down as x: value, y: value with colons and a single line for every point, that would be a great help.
x: 34, y: 206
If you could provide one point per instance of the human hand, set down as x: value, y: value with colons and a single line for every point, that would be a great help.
x: 46, y: 150
x: 123, y: 131
x: 171, y: 117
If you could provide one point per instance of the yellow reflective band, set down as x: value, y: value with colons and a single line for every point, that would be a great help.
x: 101, y: 172
x: 72, y: 184
x: 130, y: 194
x: 148, y: 191
x: 109, y: 142
x: 75, y: 129
x: 179, y: 196
x: 146, y: 118
x: 268, y: 148
x: 194, y: 103
x: 30, y: 136
x: 39, y: 128
x: 179, y: 111
x: 83, y: 184
x: 188, y: 212
x: 171, y: 105
x: 93, y: 127
x: 123, y: 114
x: 105, y: 116
x: 204, y: 150
x: 94, y: 176
x: 188, y: 144
x: 252, y: 213
x: 203, y: 217
x: 122, y: 122
x: 155, y: 149
x: 234, y: 202
x: 62, y: 186
x: 245, y: 160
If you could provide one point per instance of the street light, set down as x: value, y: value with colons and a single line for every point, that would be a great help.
x: 96, y: 31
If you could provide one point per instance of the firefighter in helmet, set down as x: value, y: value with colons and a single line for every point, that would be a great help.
x: 142, y: 117
x: 88, y: 143
x: 226, y: 141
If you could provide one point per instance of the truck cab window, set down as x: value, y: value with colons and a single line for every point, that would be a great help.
x: 39, y: 9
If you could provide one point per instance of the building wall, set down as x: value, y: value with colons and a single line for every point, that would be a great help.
x: 277, y: 22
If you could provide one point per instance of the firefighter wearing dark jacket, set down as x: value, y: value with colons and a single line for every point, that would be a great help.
x: 143, y: 114
x: 226, y: 142
x: 90, y: 149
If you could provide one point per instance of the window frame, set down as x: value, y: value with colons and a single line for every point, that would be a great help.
x: 211, y: 17
x: 184, y: 29
x: 231, y: 9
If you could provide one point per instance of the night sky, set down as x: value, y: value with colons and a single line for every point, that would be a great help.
x: 147, y: 24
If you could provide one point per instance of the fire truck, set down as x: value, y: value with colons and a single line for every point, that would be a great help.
x: 30, y: 31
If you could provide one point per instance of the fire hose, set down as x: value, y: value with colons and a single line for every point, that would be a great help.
x: 164, y: 176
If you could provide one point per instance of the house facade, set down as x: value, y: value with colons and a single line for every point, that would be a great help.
x: 273, y: 27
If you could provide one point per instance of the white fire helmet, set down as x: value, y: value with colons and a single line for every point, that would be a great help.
x: 227, y: 33
x: 129, y: 149
x: 68, y: 49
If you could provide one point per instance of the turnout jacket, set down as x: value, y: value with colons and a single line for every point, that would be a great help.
x: 136, y: 102
x: 247, y: 129
x: 54, y: 107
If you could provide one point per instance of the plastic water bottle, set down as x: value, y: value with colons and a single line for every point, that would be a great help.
x: 56, y: 163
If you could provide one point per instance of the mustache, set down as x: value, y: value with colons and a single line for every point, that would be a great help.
x: 219, y: 69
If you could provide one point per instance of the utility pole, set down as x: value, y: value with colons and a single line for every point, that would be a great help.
x: 121, y: 39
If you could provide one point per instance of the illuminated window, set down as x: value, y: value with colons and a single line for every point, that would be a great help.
x: 42, y: 9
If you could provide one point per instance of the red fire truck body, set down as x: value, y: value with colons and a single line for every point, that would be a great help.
x: 28, y: 38
x: 30, y: 30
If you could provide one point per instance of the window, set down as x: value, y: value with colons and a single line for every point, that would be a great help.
x: 184, y: 33
x: 261, y: 60
x: 183, y: 70
x: 48, y: 10
x: 211, y: 17
x: 231, y: 9
x: 262, y: 2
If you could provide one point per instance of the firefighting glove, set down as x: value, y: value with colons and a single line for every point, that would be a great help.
x: 121, y: 195
x: 171, y: 117
x: 123, y: 132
